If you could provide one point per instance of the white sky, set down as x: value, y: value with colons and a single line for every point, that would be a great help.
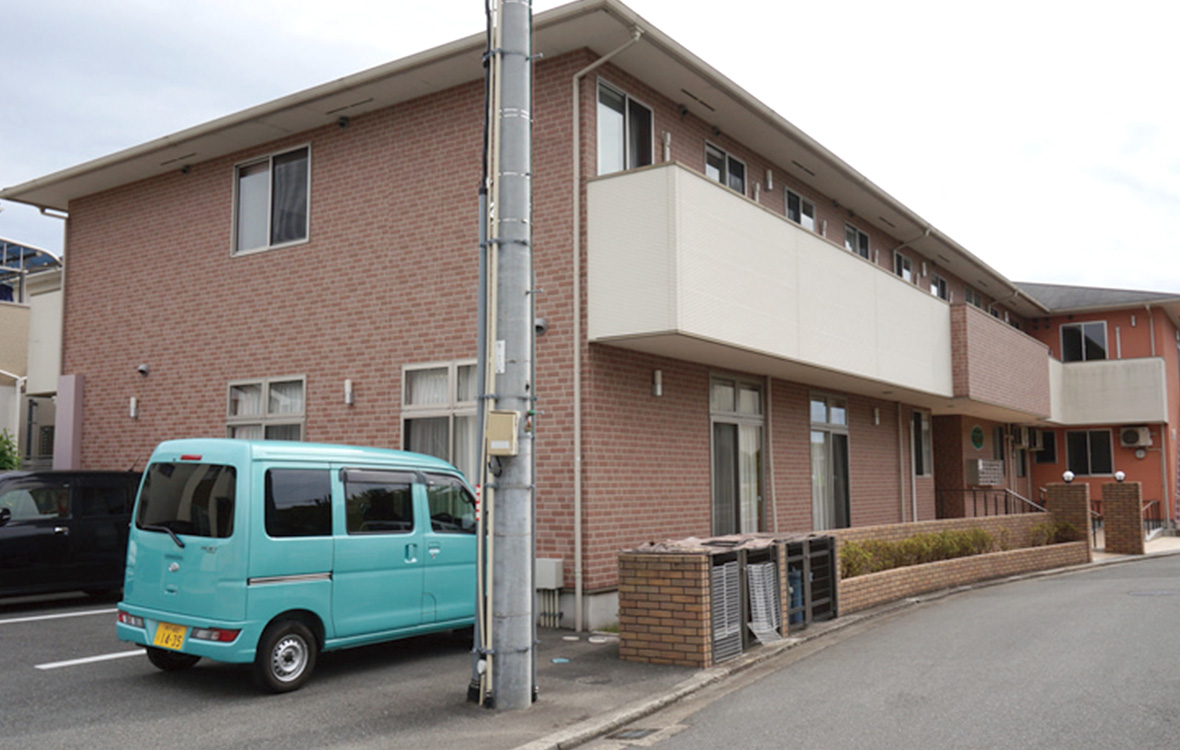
x: 1044, y: 136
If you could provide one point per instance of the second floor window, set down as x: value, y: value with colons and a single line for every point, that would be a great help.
x: 271, y: 201
x: 1083, y: 342
x: 973, y: 297
x: 724, y: 168
x: 856, y: 241
x: 938, y: 287
x: 800, y: 210
x: 624, y: 131
x: 903, y: 267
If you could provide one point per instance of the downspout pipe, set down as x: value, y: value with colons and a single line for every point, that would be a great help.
x: 1151, y: 323
x: 576, y: 149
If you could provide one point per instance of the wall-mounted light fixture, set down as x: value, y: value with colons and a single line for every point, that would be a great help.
x: 1068, y: 477
x: 667, y: 145
x: 133, y: 408
x: 876, y: 416
x: 757, y: 191
x: 769, y: 180
x: 657, y: 383
x: 349, y: 395
x: 143, y: 369
x: 1119, y: 477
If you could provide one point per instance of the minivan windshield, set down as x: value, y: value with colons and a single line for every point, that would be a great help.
x: 188, y: 498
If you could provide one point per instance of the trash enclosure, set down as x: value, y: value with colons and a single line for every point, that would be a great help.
x: 698, y: 602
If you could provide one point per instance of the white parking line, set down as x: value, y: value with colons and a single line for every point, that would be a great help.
x: 90, y: 659
x: 40, y: 618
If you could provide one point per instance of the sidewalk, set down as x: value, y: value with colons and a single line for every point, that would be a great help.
x: 586, y: 691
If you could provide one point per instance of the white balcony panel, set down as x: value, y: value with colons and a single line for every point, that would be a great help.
x: 675, y: 257
x: 1113, y: 391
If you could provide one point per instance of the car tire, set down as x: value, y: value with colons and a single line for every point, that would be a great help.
x: 170, y: 661
x: 286, y: 656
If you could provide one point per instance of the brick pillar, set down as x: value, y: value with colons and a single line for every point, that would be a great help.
x: 1122, y: 504
x: 1070, y: 503
x: 664, y: 609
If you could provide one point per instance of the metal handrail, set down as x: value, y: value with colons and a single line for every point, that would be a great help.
x: 1026, y: 501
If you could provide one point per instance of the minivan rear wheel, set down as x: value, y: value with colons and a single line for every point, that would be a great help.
x: 286, y: 656
x: 170, y: 661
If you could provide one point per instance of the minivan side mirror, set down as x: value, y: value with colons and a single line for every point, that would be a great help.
x: 5, y: 515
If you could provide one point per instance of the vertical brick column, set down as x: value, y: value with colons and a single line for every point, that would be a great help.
x: 664, y: 612
x: 1122, y: 504
x: 1070, y: 503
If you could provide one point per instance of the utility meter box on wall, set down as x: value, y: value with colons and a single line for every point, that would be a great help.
x: 501, y: 433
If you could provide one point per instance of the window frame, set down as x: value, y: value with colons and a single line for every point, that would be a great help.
x: 452, y: 409
x: 804, y: 204
x: 1048, y: 452
x: 1090, y: 453
x: 861, y: 241
x: 939, y: 287
x: 1081, y: 327
x: 922, y: 460
x: 265, y: 418
x: 269, y: 160
x: 728, y: 161
x: 973, y: 296
x: 903, y: 267
x: 628, y: 101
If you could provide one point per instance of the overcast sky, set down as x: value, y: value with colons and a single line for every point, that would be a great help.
x: 1044, y: 136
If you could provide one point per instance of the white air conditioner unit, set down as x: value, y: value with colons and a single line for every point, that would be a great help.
x: 1135, y: 437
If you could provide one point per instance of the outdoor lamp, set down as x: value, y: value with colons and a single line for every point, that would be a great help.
x: 1119, y: 476
x: 1067, y: 476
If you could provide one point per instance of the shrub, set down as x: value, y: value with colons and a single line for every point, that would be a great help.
x: 9, y: 456
x: 875, y: 555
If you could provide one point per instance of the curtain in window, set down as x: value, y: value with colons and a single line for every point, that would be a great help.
x: 246, y: 432
x: 750, y: 477
x: 429, y: 435
x: 253, y: 189
x: 289, y: 198
x: 284, y: 432
x: 285, y: 397
x: 821, y: 488
x: 424, y: 387
x: 245, y: 400
x: 611, y: 127
x: 466, y: 458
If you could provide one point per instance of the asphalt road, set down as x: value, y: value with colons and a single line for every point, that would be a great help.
x: 1084, y: 660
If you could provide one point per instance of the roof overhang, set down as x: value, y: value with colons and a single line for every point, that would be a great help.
x: 599, y: 25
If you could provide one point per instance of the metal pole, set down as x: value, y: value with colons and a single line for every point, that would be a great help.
x: 512, y: 573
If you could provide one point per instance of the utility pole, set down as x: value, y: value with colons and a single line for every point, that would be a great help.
x: 506, y: 586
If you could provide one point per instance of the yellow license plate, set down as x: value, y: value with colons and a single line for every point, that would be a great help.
x: 169, y: 636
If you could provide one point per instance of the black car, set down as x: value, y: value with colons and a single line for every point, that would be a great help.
x: 64, y: 530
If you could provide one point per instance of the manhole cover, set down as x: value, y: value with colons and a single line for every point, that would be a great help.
x: 1162, y: 592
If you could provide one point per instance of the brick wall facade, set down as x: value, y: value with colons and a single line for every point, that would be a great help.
x: 665, y: 615
x: 1122, y: 508
x: 388, y: 278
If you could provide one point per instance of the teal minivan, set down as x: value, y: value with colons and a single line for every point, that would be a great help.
x: 270, y: 552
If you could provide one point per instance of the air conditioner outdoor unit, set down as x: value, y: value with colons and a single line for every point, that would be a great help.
x: 1135, y: 437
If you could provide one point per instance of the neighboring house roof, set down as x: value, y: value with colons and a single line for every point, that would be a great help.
x: 599, y: 25
x: 1061, y: 299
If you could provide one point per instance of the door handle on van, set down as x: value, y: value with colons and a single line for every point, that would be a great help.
x: 433, y: 549
x: 411, y: 553
x: 63, y: 530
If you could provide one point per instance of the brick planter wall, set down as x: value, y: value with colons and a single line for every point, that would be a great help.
x: 870, y: 590
x: 1012, y: 529
x: 664, y: 612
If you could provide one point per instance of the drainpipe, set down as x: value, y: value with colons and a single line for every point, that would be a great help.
x: 901, y: 460
x: 636, y: 33
x: 907, y: 243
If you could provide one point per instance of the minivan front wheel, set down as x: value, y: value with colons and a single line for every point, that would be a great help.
x: 286, y: 656
x: 170, y: 661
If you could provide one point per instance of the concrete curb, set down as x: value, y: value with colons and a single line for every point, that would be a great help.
x: 602, y: 724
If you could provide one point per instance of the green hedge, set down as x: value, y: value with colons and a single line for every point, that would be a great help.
x: 875, y: 555
x: 9, y: 456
